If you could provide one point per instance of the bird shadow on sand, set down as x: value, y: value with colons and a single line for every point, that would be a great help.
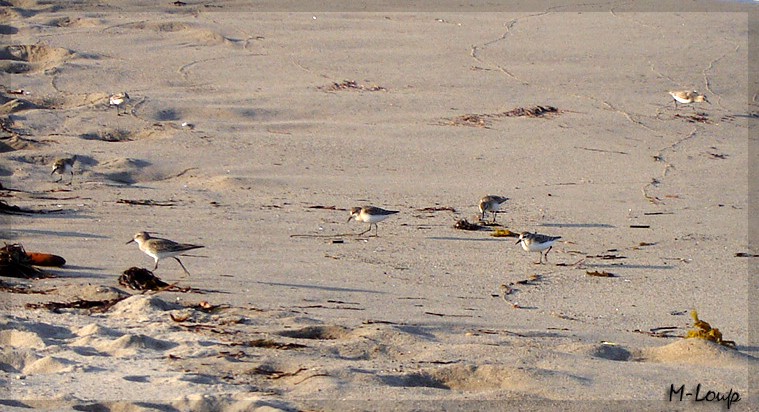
x: 61, y: 234
x: 624, y: 266
x: 78, y: 272
x: 468, y: 239
x: 328, y: 288
x: 583, y: 225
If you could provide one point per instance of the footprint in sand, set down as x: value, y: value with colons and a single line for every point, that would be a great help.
x: 598, y: 350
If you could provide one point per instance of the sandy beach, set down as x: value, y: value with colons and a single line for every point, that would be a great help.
x: 253, y: 133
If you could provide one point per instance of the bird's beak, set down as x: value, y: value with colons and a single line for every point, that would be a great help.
x: 130, y: 241
x: 51, y: 173
x: 518, y: 241
x: 349, y: 218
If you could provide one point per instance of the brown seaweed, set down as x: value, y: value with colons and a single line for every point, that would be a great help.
x: 141, y: 279
x: 94, y: 306
x: 270, y: 344
x: 464, y: 224
x: 602, y: 274
x: 703, y: 330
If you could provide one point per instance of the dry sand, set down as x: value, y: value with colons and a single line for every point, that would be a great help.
x: 247, y: 127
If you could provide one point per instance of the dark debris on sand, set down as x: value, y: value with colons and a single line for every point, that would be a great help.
x: 141, y: 279
x: 464, y: 224
x: 16, y: 263
x: 485, y: 120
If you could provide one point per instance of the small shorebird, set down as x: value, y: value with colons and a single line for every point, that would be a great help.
x: 118, y: 100
x: 491, y: 203
x: 687, y: 97
x: 533, y: 242
x: 370, y: 215
x: 62, y: 166
x: 159, y: 248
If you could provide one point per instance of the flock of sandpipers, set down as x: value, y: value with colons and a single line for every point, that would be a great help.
x: 159, y: 248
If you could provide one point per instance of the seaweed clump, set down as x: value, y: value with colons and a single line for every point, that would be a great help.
x: 504, y: 233
x: 703, y: 330
x: 141, y: 279
x: 464, y: 224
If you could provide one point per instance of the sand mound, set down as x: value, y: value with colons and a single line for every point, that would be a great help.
x: 49, y: 364
x: 696, y: 351
x: 21, y: 330
x: 14, y: 360
x: 8, y: 105
x: 384, y: 342
x: 34, y: 159
x: 131, y: 171
x: 472, y: 378
x: 14, y: 143
x: 31, y: 58
x: 14, y: 104
x: 116, y: 135
x: 21, y: 339
x: 142, y: 308
x: 80, y: 22
x: 94, y: 329
x: 230, y: 402
x: 191, y: 34
x: 129, y: 345
x: 110, y: 135
x: 123, y: 170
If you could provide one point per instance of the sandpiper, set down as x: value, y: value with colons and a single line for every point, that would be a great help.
x: 159, y: 248
x: 118, y: 100
x: 371, y: 215
x: 491, y: 203
x: 533, y: 242
x: 687, y: 97
x: 62, y: 166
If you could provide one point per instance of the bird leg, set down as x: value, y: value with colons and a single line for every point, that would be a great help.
x: 367, y: 230
x: 180, y: 264
x: 549, y: 249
